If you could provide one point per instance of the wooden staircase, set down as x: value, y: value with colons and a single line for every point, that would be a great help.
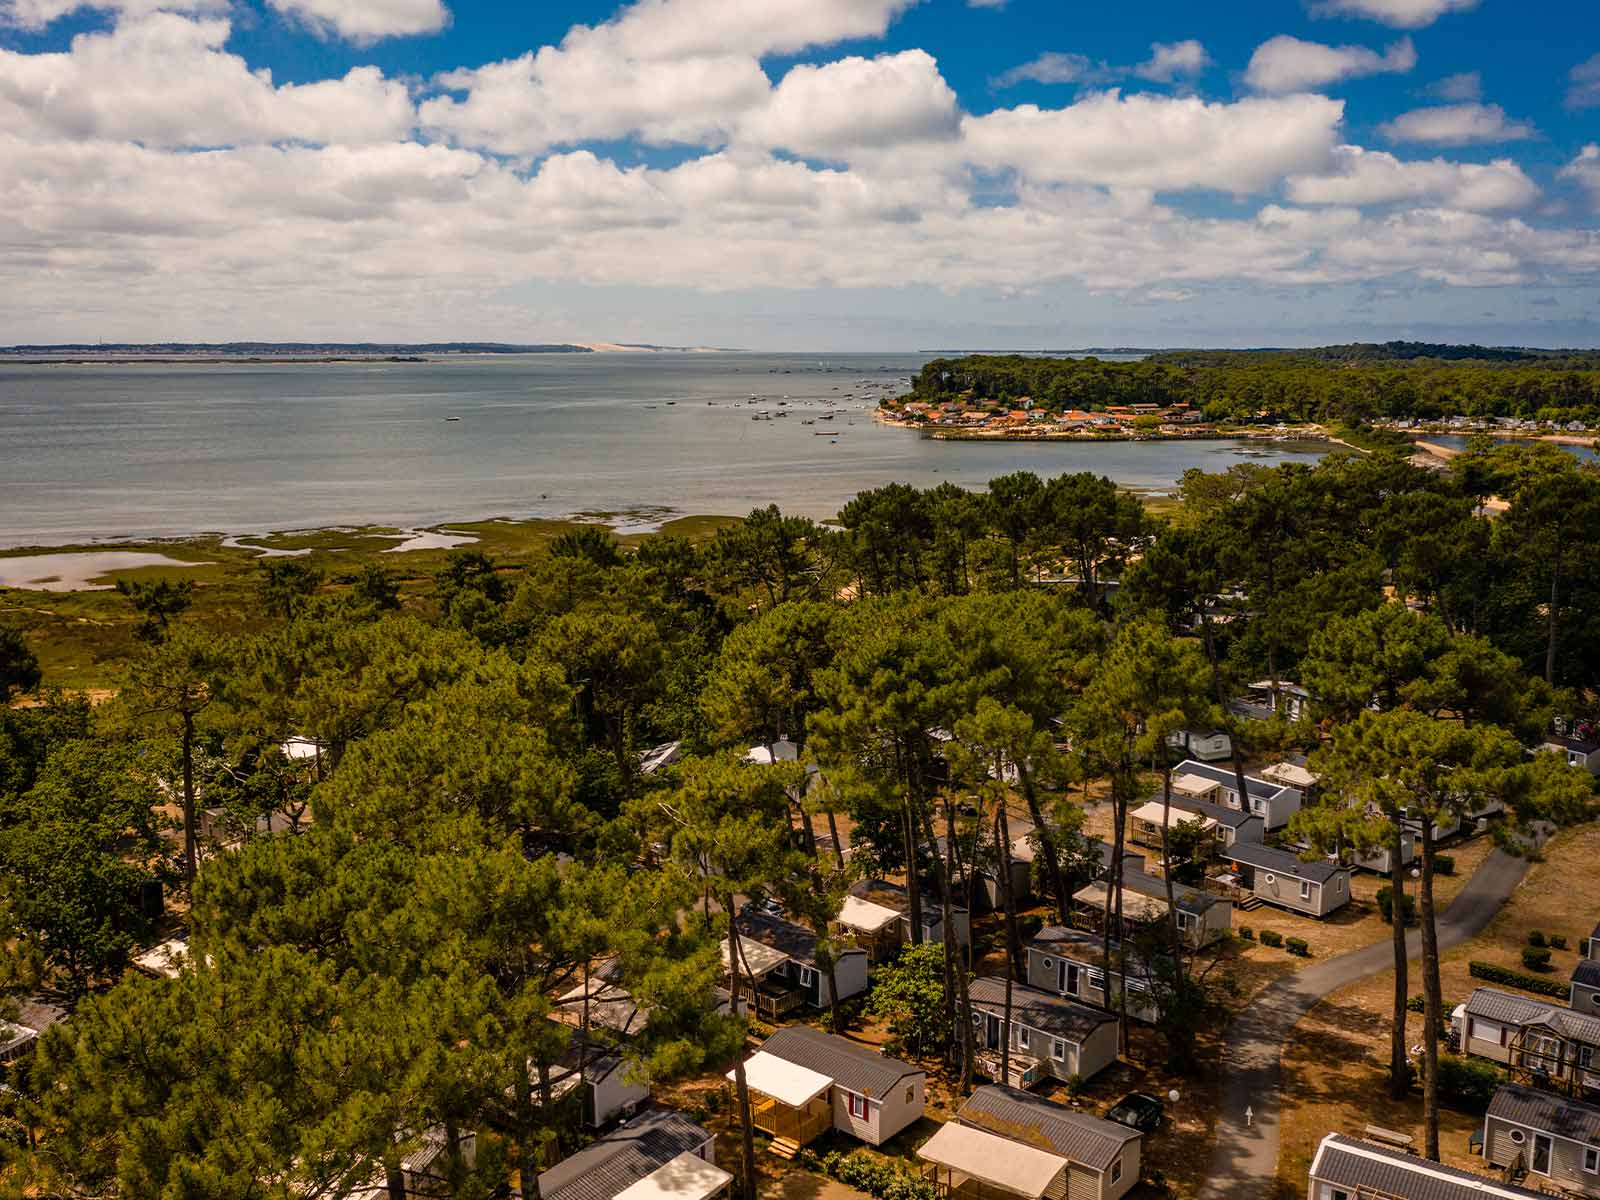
x: 785, y: 1148
x: 1249, y: 902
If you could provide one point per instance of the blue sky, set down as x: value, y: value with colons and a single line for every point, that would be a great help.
x: 802, y: 174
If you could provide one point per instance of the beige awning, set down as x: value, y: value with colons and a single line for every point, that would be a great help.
x: 1135, y: 906
x: 996, y: 1161
x: 687, y: 1177
x: 1153, y: 812
x: 786, y: 1082
x: 1290, y: 775
x: 1193, y: 785
x: 755, y: 958
x: 865, y: 915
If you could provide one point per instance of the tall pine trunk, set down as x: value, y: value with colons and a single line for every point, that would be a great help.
x: 1047, y: 844
x: 1432, y: 995
x: 1399, y: 1062
x: 741, y: 1088
x: 190, y: 850
x: 1013, y: 935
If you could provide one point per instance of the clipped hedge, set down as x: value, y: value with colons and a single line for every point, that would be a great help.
x: 1298, y: 947
x: 878, y: 1179
x: 1536, y: 958
x: 1271, y: 937
x: 1517, y: 979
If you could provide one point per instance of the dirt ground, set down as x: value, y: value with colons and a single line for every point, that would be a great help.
x: 1336, y: 1065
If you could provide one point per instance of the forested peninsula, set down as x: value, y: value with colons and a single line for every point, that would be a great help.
x: 1346, y: 385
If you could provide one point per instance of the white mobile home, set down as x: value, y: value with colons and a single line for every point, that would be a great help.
x: 1273, y: 802
x: 1102, y: 1156
x: 1313, y: 889
x: 1346, y: 1168
x: 1545, y: 1137
x: 1049, y: 1036
x: 867, y: 1095
x: 1069, y: 962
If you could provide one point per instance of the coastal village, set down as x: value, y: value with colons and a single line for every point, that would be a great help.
x: 1026, y: 842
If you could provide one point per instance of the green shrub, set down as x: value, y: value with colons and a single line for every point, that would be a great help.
x: 1558, y: 941
x: 1386, y: 906
x: 1491, y: 973
x: 880, y: 1180
x: 1535, y: 959
x: 1271, y: 937
x: 1299, y: 947
x: 1536, y: 938
x: 1417, y: 1004
x: 1467, y: 1084
x: 1444, y: 864
x: 1247, y: 933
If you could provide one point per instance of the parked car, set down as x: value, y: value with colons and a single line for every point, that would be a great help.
x: 1137, y: 1111
x: 761, y: 907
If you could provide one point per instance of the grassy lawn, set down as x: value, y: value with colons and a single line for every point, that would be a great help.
x: 1336, y: 1065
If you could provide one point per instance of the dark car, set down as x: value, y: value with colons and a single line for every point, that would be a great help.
x: 1137, y: 1111
x: 762, y: 906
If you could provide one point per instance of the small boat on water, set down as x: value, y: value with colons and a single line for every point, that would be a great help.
x: 452, y: 418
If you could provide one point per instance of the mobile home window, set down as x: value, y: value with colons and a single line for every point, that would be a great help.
x: 1022, y: 1036
x: 1305, y: 889
x: 1591, y: 1160
x: 1185, y: 920
x: 858, y: 1105
x: 1049, y: 964
x: 1058, y: 1050
x: 1116, y: 1171
x: 1097, y: 980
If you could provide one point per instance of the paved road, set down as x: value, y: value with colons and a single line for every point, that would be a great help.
x: 1244, y: 1161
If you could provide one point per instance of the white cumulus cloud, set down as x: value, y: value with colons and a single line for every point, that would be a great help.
x: 881, y: 103
x: 1402, y: 14
x: 1372, y: 177
x: 36, y: 14
x: 1583, y: 86
x: 1170, y: 61
x: 1457, y: 125
x: 1585, y: 172
x: 1160, y: 142
x: 165, y: 80
x: 367, y: 20
x: 1287, y: 64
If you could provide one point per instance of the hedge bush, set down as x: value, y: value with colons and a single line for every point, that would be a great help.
x: 1468, y: 1084
x: 1386, y: 906
x: 1558, y: 941
x: 1247, y: 933
x: 1517, y: 979
x: 1271, y: 937
x: 878, y: 1179
x: 1535, y: 959
x: 1444, y: 864
x: 1417, y: 1004
x: 1298, y: 947
x: 1536, y: 938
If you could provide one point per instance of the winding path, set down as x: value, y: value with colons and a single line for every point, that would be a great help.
x: 1244, y: 1161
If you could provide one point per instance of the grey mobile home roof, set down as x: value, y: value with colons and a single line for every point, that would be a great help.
x: 1257, y: 786
x: 1232, y: 818
x: 623, y: 1157
x: 1091, y: 1141
x: 1044, y: 1011
x: 854, y: 1068
x: 1269, y: 858
x: 1587, y: 973
x: 1547, y: 1112
x: 1350, y: 1163
x: 1186, y: 897
x: 1494, y: 1005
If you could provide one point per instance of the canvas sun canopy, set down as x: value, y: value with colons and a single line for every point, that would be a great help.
x: 1151, y: 815
x: 1192, y: 785
x: 755, y: 958
x: 997, y: 1161
x: 687, y: 1177
x: 1134, y: 906
x: 786, y: 1082
x: 865, y: 915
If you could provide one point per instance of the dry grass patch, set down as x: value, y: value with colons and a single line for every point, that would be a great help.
x: 1336, y: 1063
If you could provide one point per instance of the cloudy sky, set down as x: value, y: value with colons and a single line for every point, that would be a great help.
x: 801, y: 174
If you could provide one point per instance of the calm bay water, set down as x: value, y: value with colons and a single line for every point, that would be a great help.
x: 110, y: 452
